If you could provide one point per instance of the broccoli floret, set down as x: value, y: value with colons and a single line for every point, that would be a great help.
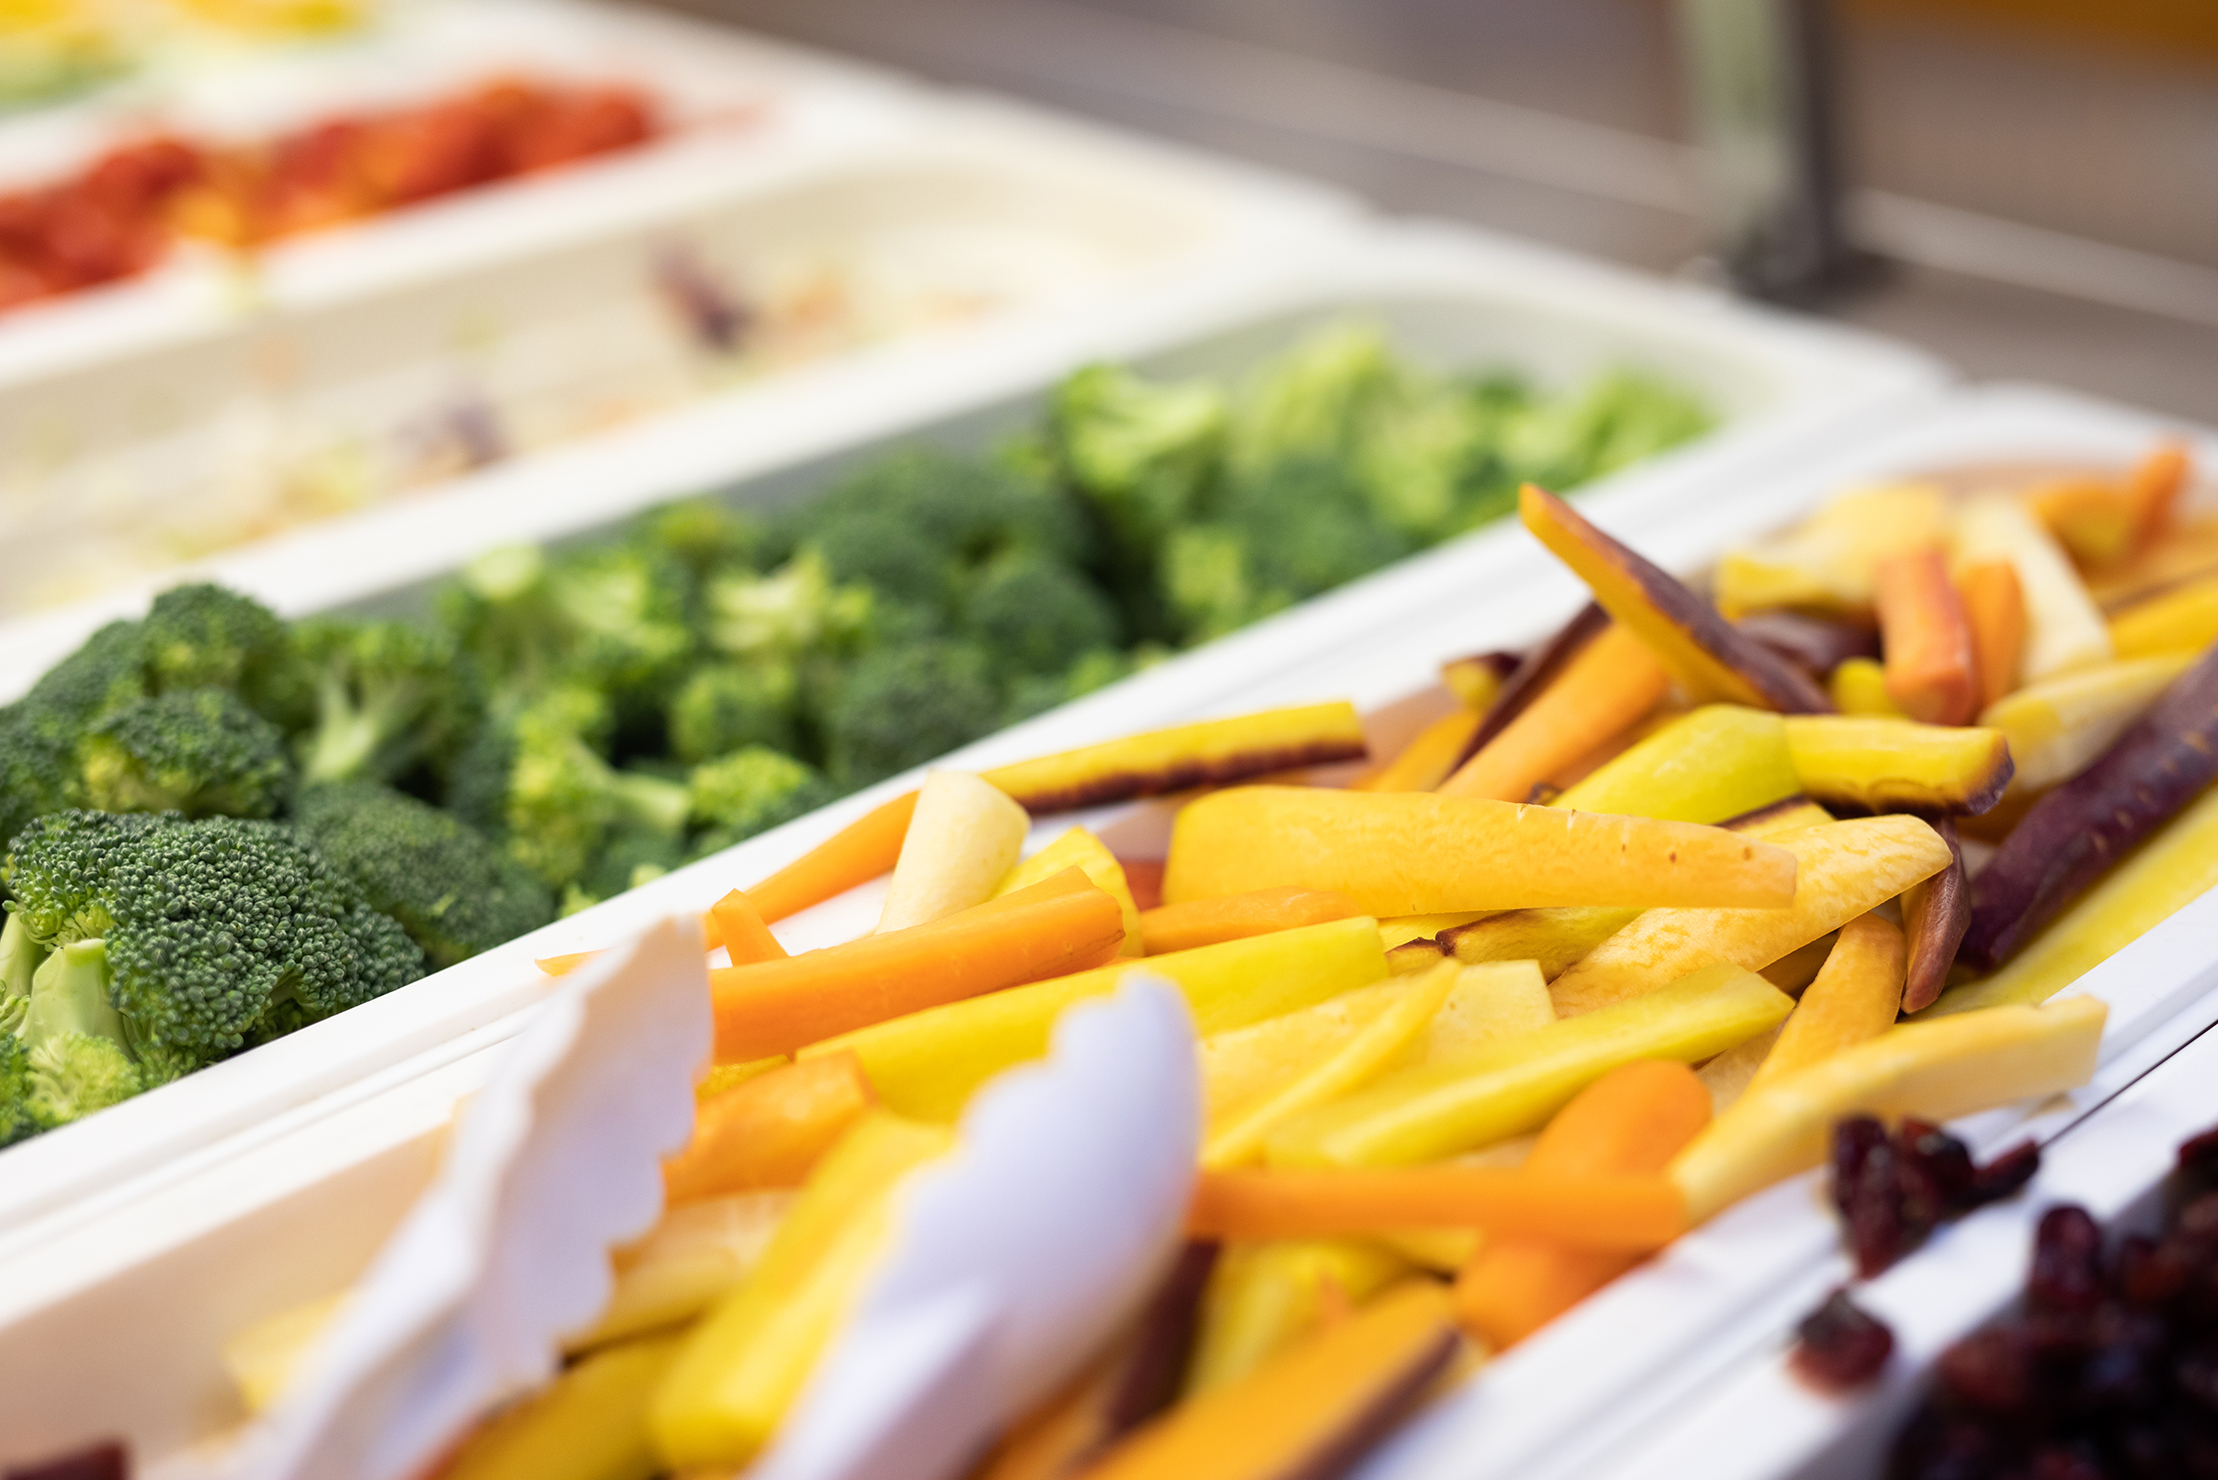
x: 561, y: 801
x: 962, y: 508
x: 900, y: 707
x: 73, y: 1057
x: 866, y: 548
x: 724, y: 706
x: 793, y: 611
x: 750, y: 791
x: 108, y: 670
x: 197, y: 751
x: 622, y: 608
x: 701, y: 534
x: 209, y: 925
x: 205, y: 637
x: 1034, y: 614
x: 499, y: 612
x: 38, y: 770
x: 1318, y: 400
x: 626, y: 861
x: 1143, y: 453
x: 389, y: 697
x: 448, y: 885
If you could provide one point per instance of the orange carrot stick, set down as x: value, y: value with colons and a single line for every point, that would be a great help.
x: 856, y: 854
x: 1635, y: 1213
x: 1144, y: 877
x: 2154, y: 488
x: 1062, y: 924
x: 1426, y: 761
x: 740, y: 926
x: 769, y: 1131
x: 1604, y: 689
x: 1311, y: 1410
x: 1994, y: 605
x: 1630, y: 1122
x: 564, y: 965
x: 1204, y: 922
x: 1927, y: 641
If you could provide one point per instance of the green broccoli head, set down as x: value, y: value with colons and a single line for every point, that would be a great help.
x: 498, y: 611
x: 1142, y: 453
x: 860, y: 547
x: 961, y: 509
x: 390, y: 696
x: 205, y: 637
x: 1616, y: 419
x: 1034, y: 614
x: 202, y: 752
x: 65, y: 1055
x: 628, y: 859
x: 621, y: 609
x: 724, y: 706
x: 1317, y: 400
x: 902, y: 706
x: 16, y: 1118
x: 561, y: 801
x: 749, y: 791
x: 74, y: 1074
x: 38, y: 769
x: 206, y: 924
x: 794, y: 611
x: 448, y: 885
x: 107, y: 671
x: 701, y: 534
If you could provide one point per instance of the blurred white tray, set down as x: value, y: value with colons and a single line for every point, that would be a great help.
x: 1788, y: 390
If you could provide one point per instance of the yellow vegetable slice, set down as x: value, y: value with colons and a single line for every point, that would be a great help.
x: 741, y: 1368
x: 1083, y: 851
x: 1855, y: 996
x: 1934, y: 1070
x: 1263, y: 1298
x: 1826, y: 562
x: 1710, y: 765
x: 1491, y: 1002
x: 929, y: 1063
x: 1362, y: 1058
x: 1433, y: 1111
x: 695, y: 1254
x: 590, y: 1423
x: 1847, y: 868
x: 1404, y: 853
x: 2056, y: 727
x: 2181, y: 621
x: 1898, y: 765
x: 1241, y: 1066
x: 964, y: 835
x: 1859, y: 687
x: 1209, y: 752
x: 2063, y: 628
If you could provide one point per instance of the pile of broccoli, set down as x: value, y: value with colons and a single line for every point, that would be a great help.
x: 225, y: 826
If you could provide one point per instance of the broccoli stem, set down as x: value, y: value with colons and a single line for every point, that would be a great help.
x: 19, y: 958
x: 69, y: 994
x: 348, y: 735
x: 651, y: 802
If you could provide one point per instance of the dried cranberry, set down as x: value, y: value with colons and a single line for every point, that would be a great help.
x: 1855, y: 1137
x: 2124, y: 1366
x: 2065, y: 1462
x: 2196, y: 1171
x: 1942, y: 1446
x: 1838, y: 1347
x: 1991, y: 1370
x: 104, y: 1461
x: 2149, y: 1274
x: 1868, y: 1186
x: 1942, y: 1161
x: 2066, y: 1277
x: 2001, y: 1177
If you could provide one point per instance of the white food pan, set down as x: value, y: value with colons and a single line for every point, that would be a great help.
x: 1567, y: 1399
x: 1448, y: 298
x: 157, y: 423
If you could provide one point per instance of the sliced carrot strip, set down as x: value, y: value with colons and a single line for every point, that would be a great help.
x: 1310, y: 1410
x: 1630, y: 1122
x: 1994, y: 605
x: 1605, y: 689
x: 740, y: 926
x: 1204, y: 922
x: 856, y: 854
x: 1062, y: 924
x: 1591, y: 1212
x: 770, y: 1130
x: 1927, y: 640
x: 564, y: 965
x: 1426, y: 761
x: 2154, y: 488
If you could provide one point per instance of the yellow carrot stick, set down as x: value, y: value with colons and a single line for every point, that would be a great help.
x: 1611, y: 683
x: 1264, y: 1298
x: 1414, y: 854
x: 1208, y: 753
x: 1426, y: 761
x: 1854, y: 997
x: 1080, y: 849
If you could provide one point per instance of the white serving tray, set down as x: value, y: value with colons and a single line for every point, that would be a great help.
x: 1588, y: 1387
x: 181, y: 422
x: 1788, y: 389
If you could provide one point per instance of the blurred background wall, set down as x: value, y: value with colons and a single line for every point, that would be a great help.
x: 2039, y: 178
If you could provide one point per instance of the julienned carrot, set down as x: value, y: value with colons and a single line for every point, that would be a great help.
x: 769, y: 1131
x: 1204, y: 922
x: 1927, y: 640
x: 1064, y: 924
x: 1994, y: 605
x: 1308, y: 1411
x: 739, y: 925
x: 1612, y: 682
x: 1629, y: 1213
x: 1427, y: 760
x: 2154, y: 487
x: 856, y: 854
x: 1630, y: 1122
